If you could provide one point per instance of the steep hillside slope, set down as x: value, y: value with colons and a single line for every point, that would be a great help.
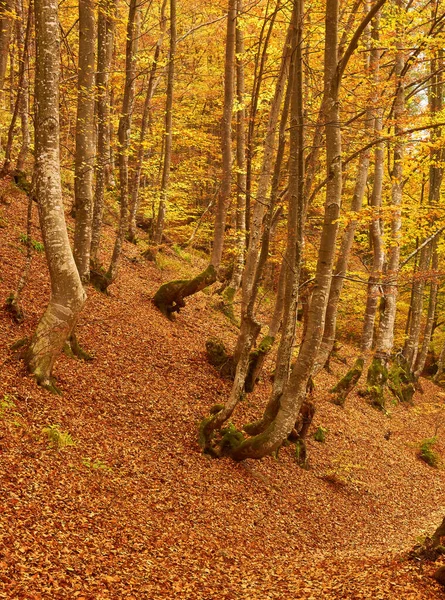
x: 133, y: 510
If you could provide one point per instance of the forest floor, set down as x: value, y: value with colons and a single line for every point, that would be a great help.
x: 134, y: 510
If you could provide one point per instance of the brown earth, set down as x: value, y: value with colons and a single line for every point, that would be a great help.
x: 135, y: 510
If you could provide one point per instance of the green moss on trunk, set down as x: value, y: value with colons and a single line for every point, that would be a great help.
x: 376, y: 382
x: 256, y: 361
x: 401, y: 382
x: 348, y: 382
x: 170, y: 296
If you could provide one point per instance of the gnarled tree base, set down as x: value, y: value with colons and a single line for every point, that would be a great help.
x: 219, y: 358
x: 376, y: 382
x: 347, y: 383
x: 100, y: 280
x: 170, y: 297
x: 256, y: 362
x: 401, y: 382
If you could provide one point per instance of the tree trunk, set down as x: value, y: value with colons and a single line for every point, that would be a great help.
x: 256, y: 257
x: 226, y: 138
x: 375, y: 229
x: 99, y: 279
x: 144, y: 126
x: 105, y: 34
x: 410, y: 349
x: 240, y: 243
x: 428, y: 330
x: 21, y: 97
x: 85, y: 150
x: 6, y: 8
x: 168, y: 127
x: 67, y: 293
x: 288, y: 405
x: 24, y: 104
x: 377, y: 372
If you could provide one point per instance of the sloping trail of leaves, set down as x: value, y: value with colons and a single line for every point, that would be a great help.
x: 134, y: 510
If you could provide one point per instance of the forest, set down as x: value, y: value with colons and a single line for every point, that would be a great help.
x: 222, y: 324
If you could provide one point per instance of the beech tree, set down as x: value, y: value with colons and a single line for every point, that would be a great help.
x: 285, y: 409
x: 67, y: 293
x: 85, y: 143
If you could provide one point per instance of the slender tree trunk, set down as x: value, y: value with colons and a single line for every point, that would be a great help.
x: 256, y: 255
x: 6, y: 9
x: 168, y: 127
x: 85, y: 147
x: 377, y: 373
x: 144, y: 125
x: 440, y: 364
x: 375, y: 228
x: 67, y: 293
x: 428, y: 330
x: 24, y: 104
x: 124, y: 135
x: 341, y: 266
x: 435, y: 180
x: 105, y: 34
x: 235, y: 281
x: 21, y: 92
x: 260, y: 64
x: 226, y: 138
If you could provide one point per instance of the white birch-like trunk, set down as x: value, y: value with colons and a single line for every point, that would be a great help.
x: 168, y: 128
x: 85, y: 142
x: 67, y: 293
x: 226, y: 138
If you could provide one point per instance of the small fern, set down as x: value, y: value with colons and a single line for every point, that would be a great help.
x: 57, y: 438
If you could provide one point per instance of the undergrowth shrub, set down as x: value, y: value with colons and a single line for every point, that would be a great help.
x: 427, y: 454
x: 57, y: 438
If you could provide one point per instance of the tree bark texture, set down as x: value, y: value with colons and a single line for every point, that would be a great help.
x: 152, y: 82
x: 226, y: 138
x: 85, y: 143
x: 168, y: 127
x: 105, y: 35
x: 67, y: 293
x: 124, y: 133
x: 21, y: 91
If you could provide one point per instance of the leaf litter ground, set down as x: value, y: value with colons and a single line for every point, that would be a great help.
x: 134, y: 510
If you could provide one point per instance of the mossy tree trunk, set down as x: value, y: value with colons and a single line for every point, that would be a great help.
x: 347, y: 383
x: 378, y: 371
x: 294, y: 393
x: 170, y: 296
x: 255, y: 261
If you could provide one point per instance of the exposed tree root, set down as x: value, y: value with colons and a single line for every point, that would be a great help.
x: 100, y: 280
x: 13, y: 307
